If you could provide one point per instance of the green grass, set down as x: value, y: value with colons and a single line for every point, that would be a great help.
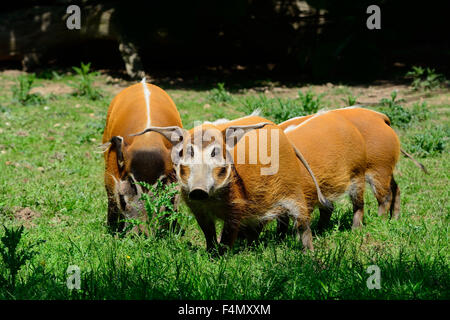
x: 49, y: 163
x: 425, y: 78
x: 21, y: 91
x: 279, y: 110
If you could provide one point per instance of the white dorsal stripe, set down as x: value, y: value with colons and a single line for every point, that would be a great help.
x: 216, y: 122
x: 147, y: 94
x: 318, y: 114
x: 299, y: 117
x: 256, y: 112
x: 360, y: 106
x: 291, y: 127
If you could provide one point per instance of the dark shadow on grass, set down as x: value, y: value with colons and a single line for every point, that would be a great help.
x: 257, y: 77
x: 206, y: 77
x: 340, y: 219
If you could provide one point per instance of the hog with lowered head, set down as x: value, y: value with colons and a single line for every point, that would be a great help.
x: 129, y: 159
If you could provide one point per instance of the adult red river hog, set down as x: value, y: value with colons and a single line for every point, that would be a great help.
x: 130, y: 159
x: 336, y: 153
x: 243, y: 181
x: 382, y: 150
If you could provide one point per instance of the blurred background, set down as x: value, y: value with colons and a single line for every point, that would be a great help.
x: 313, y: 40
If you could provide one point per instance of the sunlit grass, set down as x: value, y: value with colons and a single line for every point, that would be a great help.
x: 49, y: 163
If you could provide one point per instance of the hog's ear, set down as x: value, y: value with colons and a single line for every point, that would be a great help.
x: 174, y: 134
x: 235, y: 133
x: 117, y: 144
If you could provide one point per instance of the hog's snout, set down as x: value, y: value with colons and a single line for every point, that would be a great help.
x: 198, y: 194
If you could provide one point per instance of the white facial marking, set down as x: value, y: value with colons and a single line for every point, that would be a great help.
x: 201, y: 167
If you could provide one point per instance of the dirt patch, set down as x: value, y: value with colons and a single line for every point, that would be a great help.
x: 367, y: 95
x: 437, y: 98
x: 373, y: 94
x: 12, y: 73
x: 26, y: 216
x: 55, y: 88
x: 115, y: 88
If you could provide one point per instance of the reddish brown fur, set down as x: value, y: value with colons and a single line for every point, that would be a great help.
x: 335, y: 151
x: 382, y: 148
x: 250, y: 199
x: 146, y: 156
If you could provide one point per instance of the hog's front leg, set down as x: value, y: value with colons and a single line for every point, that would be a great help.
x: 209, y: 230
x: 229, y: 233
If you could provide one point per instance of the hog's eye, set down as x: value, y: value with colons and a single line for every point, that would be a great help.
x: 222, y: 171
x: 180, y: 153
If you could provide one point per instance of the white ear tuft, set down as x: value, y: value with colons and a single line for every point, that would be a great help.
x: 256, y: 112
x: 104, y: 147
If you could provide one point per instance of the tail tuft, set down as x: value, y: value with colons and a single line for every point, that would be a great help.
x: 326, y: 203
